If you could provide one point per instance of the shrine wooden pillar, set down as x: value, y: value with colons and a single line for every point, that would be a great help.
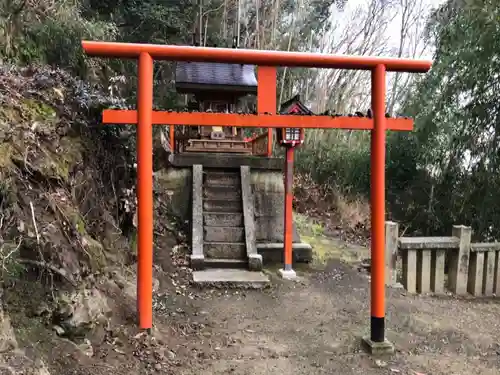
x: 266, y: 98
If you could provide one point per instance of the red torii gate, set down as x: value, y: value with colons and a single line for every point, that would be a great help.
x: 267, y: 61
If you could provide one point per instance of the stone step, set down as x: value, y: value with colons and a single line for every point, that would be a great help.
x: 223, y: 219
x: 221, y: 179
x: 233, y: 278
x: 212, y: 205
x: 223, y: 234
x: 226, y: 263
x: 225, y: 250
x: 229, y: 193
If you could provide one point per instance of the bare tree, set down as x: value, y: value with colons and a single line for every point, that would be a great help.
x: 412, y: 44
x: 363, y: 34
x: 367, y: 32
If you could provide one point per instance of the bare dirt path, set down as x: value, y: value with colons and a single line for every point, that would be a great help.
x: 314, y: 327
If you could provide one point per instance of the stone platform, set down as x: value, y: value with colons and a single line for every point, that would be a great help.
x: 230, y: 278
x: 273, y: 253
x: 225, y: 161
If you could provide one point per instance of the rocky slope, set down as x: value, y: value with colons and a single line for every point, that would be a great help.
x: 67, y: 239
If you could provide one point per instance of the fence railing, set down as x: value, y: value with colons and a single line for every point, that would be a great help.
x: 440, y: 264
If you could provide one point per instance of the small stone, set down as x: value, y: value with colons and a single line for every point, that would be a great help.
x: 158, y: 367
x: 86, y: 348
x: 170, y: 354
x: 58, y: 329
x: 41, y: 309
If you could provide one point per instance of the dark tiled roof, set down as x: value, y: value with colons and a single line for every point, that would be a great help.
x: 215, y: 76
x: 291, y: 103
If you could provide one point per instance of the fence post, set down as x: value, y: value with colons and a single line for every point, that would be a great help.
x: 391, y: 252
x: 438, y: 260
x: 459, y: 260
x: 475, y: 274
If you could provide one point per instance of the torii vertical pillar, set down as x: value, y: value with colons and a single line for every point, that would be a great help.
x: 144, y: 117
x: 266, y: 98
x: 287, y: 272
x: 377, y: 342
x: 145, y: 191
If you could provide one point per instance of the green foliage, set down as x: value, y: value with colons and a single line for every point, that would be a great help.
x: 444, y: 173
x: 51, y: 33
x: 60, y: 43
x: 451, y: 161
x: 154, y: 21
x: 32, y: 34
x: 331, y: 158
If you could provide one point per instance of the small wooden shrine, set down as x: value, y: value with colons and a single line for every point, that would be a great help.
x: 214, y: 87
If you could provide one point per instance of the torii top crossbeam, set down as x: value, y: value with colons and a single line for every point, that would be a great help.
x: 267, y: 61
x: 255, y: 57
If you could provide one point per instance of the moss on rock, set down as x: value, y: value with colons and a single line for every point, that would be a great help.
x: 61, y: 164
x: 36, y: 110
x: 95, y: 252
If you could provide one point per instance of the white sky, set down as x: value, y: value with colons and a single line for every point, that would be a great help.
x: 393, y: 28
x: 352, y: 21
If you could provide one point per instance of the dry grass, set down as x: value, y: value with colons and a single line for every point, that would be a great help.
x: 339, y: 214
x: 352, y: 212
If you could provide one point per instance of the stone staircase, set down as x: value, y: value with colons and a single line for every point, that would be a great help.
x: 223, y: 224
x: 224, y: 249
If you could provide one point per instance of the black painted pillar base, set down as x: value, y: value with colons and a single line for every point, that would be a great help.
x: 377, y: 329
x: 376, y: 343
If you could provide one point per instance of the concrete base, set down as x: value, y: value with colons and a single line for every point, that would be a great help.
x: 377, y: 348
x: 273, y: 252
x: 197, y: 261
x: 230, y: 278
x: 255, y: 262
x: 287, y: 274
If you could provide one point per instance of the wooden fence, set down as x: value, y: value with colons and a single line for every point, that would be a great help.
x: 472, y: 267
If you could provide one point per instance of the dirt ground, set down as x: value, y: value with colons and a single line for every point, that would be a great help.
x: 312, y: 326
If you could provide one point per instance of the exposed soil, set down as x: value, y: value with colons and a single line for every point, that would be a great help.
x: 313, y: 326
x: 346, y: 217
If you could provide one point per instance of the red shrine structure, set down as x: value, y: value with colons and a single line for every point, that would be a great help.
x: 228, y: 231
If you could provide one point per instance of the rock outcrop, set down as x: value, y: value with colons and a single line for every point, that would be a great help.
x: 67, y: 237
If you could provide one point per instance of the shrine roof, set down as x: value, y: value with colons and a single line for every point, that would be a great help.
x: 202, y: 76
x: 295, y: 105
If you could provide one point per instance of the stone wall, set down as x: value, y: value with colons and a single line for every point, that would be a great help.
x: 473, y: 268
x: 269, y: 194
x: 172, y: 188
